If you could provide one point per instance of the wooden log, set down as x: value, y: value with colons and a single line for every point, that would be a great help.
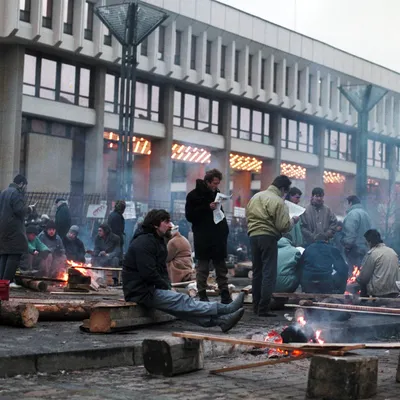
x: 64, y: 311
x: 170, y: 356
x: 181, y: 284
x: 305, y: 347
x: 18, y: 315
x: 38, y: 286
x: 259, y: 364
x: 117, y: 318
x: 39, y: 278
x: 99, y: 268
x: 343, y: 310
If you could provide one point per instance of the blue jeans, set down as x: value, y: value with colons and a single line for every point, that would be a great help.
x: 184, y: 307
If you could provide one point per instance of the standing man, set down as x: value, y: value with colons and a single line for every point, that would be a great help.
x: 145, y: 279
x: 116, y: 222
x: 13, y: 241
x: 355, y: 224
x: 318, y: 218
x: 267, y: 219
x: 210, y: 239
x: 380, y: 268
x: 63, y: 218
x: 294, y: 196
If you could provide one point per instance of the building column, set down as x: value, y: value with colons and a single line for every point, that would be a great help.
x: 241, y: 187
x: 272, y: 168
x: 11, y: 81
x: 93, y: 182
x: 161, y: 152
x: 141, y: 177
x: 350, y: 185
x: 220, y: 159
x: 315, y: 175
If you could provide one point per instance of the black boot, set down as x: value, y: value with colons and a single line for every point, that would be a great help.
x: 203, y: 296
x: 227, y: 322
x: 226, y: 297
x: 224, y: 309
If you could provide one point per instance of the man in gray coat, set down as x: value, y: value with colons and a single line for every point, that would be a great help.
x: 355, y: 224
x: 13, y: 241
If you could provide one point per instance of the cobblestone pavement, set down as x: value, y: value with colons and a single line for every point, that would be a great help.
x: 278, y: 382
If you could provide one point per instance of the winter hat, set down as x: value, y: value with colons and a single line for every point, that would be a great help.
x: 51, y: 225
x: 45, y: 217
x: 31, y: 229
x: 74, y: 228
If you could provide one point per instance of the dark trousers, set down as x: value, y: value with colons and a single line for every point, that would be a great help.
x: 354, y: 257
x: 203, y: 270
x: 317, y: 287
x: 8, y: 266
x: 264, y: 251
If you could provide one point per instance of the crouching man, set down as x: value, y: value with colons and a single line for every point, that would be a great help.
x: 146, y: 282
x: 380, y: 268
x: 39, y: 255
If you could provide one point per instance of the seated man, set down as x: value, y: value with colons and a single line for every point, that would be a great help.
x: 380, y: 268
x: 54, y: 243
x: 74, y: 248
x: 107, y: 250
x: 323, y: 268
x: 145, y: 279
x: 179, y: 260
x: 39, y: 256
x: 288, y: 278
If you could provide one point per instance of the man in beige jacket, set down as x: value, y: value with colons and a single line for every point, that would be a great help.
x: 380, y: 268
x: 267, y: 219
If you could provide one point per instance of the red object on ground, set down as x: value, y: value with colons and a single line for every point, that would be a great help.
x: 4, y: 290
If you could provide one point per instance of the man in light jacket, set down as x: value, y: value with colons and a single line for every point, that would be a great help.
x: 355, y: 224
x: 267, y: 219
x: 318, y: 218
x: 380, y: 268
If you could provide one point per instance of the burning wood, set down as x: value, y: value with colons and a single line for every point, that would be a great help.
x: 354, y: 275
x: 79, y: 277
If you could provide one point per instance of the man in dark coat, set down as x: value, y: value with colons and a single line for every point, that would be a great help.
x: 116, y: 221
x: 323, y: 268
x: 145, y: 279
x: 107, y: 250
x: 63, y: 218
x: 13, y: 241
x: 210, y: 239
x: 74, y: 248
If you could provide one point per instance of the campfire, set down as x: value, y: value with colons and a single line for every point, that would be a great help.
x: 354, y: 275
x: 299, y: 332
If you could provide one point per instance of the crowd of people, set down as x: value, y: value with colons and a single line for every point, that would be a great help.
x: 312, y: 251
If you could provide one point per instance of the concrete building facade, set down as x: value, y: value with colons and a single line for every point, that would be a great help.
x: 216, y: 87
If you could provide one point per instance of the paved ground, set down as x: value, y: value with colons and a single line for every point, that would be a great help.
x: 278, y: 382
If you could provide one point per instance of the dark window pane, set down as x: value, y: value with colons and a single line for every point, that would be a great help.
x: 178, y: 47
x: 263, y: 63
x: 68, y: 16
x: 193, y: 52
x: 144, y: 47
x: 223, y: 61
x: 58, y: 130
x: 39, y: 126
x: 161, y: 42
x: 237, y: 56
x: 208, y: 57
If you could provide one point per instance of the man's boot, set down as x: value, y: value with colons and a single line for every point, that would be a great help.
x: 226, y: 297
x: 225, y: 309
x: 227, y: 322
x: 203, y: 296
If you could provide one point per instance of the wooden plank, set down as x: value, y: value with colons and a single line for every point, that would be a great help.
x: 306, y: 347
x: 108, y: 319
x: 182, y: 284
x: 84, y: 294
x: 259, y: 364
x: 99, y: 268
x: 247, y: 289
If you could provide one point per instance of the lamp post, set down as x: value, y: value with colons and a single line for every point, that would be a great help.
x: 130, y: 23
x: 363, y: 98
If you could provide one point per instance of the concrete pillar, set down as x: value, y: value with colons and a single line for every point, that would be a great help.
x: 194, y: 172
x: 315, y: 176
x: 94, y: 137
x: 11, y: 80
x: 272, y: 168
x: 220, y: 159
x: 161, y: 151
x: 241, y: 187
x: 349, y: 185
x: 141, y: 177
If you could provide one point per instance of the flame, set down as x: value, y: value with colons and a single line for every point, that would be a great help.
x: 301, y: 321
x: 354, y: 275
x: 275, y: 337
x: 318, y: 337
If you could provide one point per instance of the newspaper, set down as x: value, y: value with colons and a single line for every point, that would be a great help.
x: 218, y: 213
x: 294, y: 209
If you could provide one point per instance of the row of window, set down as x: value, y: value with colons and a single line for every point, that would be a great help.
x: 297, y: 135
x: 56, y: 80
x: 338, y: 145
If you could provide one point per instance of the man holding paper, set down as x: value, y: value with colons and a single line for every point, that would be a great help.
x: 210, y: 231
x: 267, y: 219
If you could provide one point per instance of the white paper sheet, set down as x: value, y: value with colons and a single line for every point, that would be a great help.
x: 218, y: 213
x: 294, y: 209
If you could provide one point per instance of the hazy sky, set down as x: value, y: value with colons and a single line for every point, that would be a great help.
x: 366, y: 28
